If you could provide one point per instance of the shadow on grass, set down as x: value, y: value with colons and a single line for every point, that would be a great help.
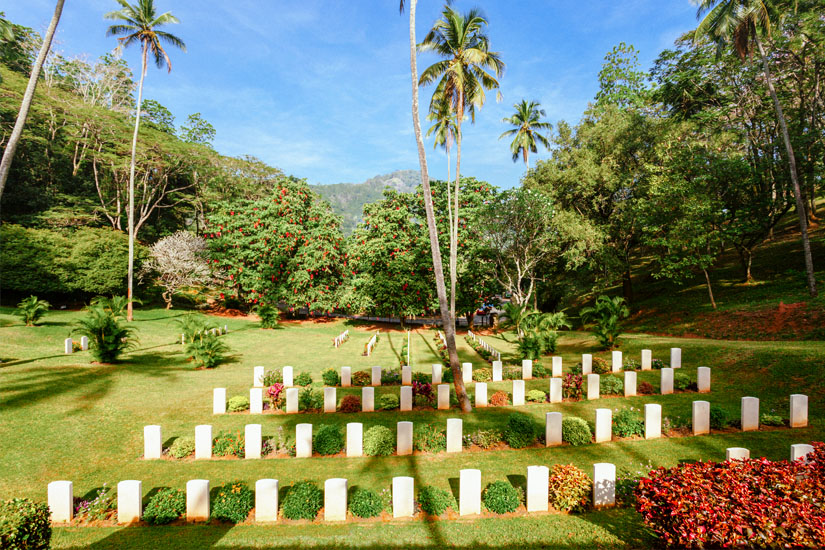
x: 14, y: 362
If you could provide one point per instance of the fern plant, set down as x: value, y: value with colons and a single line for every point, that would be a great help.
x: 32, y: 310
x: 108, y: 339
x: 206, y: 350
x: 192, y: 325
x: 606, y: 315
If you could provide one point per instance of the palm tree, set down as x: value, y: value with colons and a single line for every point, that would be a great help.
x: 527, y: 122
x: 28, y: 95
x: 468, y: 68
x: 741, y: 22
x: 444, y: 130
x: 140, y: 24
x: 438, y: 268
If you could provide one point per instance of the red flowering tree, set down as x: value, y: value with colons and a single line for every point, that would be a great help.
x: 285, y: 249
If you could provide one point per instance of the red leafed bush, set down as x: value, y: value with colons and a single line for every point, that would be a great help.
x: 499, y: 399
x: 350, y: 404
x: 750, y: 503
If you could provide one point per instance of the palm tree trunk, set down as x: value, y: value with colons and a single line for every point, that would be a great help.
x: 454, y: 227
x: 28, y: 96
x: 438, y: 269
x: 132, y: 189
x: 800, y: 204
x: 526, y: 156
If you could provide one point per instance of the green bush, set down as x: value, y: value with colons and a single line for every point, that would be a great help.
x: 182, y: 447
x: 32, y: 310
x: 486, y: 439
x: 601, y: 366
x: 610, y: 385
x: 238, y: 403
x: 206, y: 350
x: 606, y: 315
x: 232, y: 502
x: 536, y: 396
x: 388, y: 402
x: 273, y: 376
x: 361, y: 378
x: 330, y: 377
x: 268, y: 315
x: 99, y: 507
x: 303, y: 501
x: 99, y: 261
x: 719, y: 418
x: 447, y: 375
x: 482, y: 375
x: 576, y: 431
x: 229, y: 444
x: 310, y: 400
x: 379, y: 441
x: 34, y: 260
x: 365, y: 503
x: 429, y: 438
x: 539, y: 371
x: 435, y: 501
x: 24, y: 525
x: 165, y: 506
x: 681, y: 381
x: 520, y: 431
x: 628, y: 422
x: 108, y: 339
x: 632, y: 364
x: 500, y: 497
x: 569, y: 488
x: 329, y: 440
x: 303, y: 379
x: 771, y: 420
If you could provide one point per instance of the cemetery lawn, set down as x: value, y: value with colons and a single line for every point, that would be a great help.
x: 64, y: 417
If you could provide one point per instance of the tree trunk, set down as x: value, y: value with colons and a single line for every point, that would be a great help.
x: 800, y: 205
x: 454, y: 224
x: 28, y: 97
x: 746, y: 259
x: 471, y: 317
x: 438, y: 269
x: 627, y: 284
x: 710, y: 289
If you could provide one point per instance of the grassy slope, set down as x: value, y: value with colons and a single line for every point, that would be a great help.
x: 64, y: 418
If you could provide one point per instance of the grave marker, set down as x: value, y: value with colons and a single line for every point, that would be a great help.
x: 303, y: 440
x: 538, y: 494
x: 552, y: 429
x: 266, y: 500
x: 403, y: 488
x: 197, y: 500
x: 61, y: 501
x: 469, y: 492
x: 454, y: 435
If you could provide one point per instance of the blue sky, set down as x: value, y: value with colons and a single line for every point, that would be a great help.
x: 321, y: 88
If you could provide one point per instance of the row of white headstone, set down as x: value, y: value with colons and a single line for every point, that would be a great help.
x: 68, y: 345
x: 216, y: 331
x: 340, y: 339
x: 495, y: 353
x: 371, y: 344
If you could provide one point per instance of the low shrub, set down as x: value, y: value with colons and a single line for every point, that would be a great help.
x: 482, y: 375
x: 429, y: 438
x: 229, y: 444
x: 571, y: 386
x: 610, y: 385
x: 328, y: 440
x: 365, y: 503
x: 771, y: 420
x: 32, y: 309
x: 628, y: 422
x: 182, y: 447
x: 681, y: 381
x: 520, y: 431
x: 500, y: 497
x: 98, y: 508
x: 422, y: 392
x: 601, y: 366
x: 310, y: 400
x: 108, y: 338
x: 303, y: 379
x: 576, y: 431
x: 331, y: 377
x: 303, y: 501
x: 379, y: 441
x: 275, y: 393
x: 350, y: 404
x: 539, y: 371
x: 657, y: 364
x: 232, y: 502
x: 388, y: 402
x: 719, y: 418
x: 238, y: 403
x: 390, y: 377
x: 206, y: 350
x: 512, y: 374
x: 434, y: 501
x: 570, y: 488
x: 24, y: 525
x: 499, y: 399
x: 273, y: 376
x: 447, y: 375
x: 165, y: 506
x: 536, y: 396
x: 632, y: 364
x: 421, y: 378
x: 645, y: 388
x: 268, y: 315
x: 282, y: 442
x: 361, y: 378
x: 486, y: 439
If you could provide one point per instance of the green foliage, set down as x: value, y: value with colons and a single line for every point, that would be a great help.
x: 388, y: 402
x: 273, y: 376
x: 238, y: 403
x: 229, y: 444
x: 331, y: 377
x: 232, y: 502
x: 482, y: 375
x: 520, y: 432
x: 606, y: 314
x: 434, y: 501
x: 328, y: 440
x: 165, y: 506
x: 576, y: 431
x: 98, y: 508
x: 771, y: 420
x: 719, y: 418
x: 601, y: 366
x: 182, y: 447
x: 570, y: 488
x: 108, y: 338
x: 621, y: 83
x: 24, y: 525
x: 610, y: 385
x: 361, y: 378
x: 365, y: 503
x: 206, y: 350
x: 303, y: 501
x: 158, y: 116
x: 269, y: 315
x: 628, y: 422
x: 32, y: 309
x: 303, y: 379
x: 310, y: 400
x: 486, y: 439
x: 429, y: 438
x: 681, y: 381
x: 500, y: 497
x: 536, y: 396
x: 192, y: 325
x: 379, y: 441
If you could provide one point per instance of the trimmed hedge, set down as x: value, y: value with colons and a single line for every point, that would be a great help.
x: 165, y: 506
x: 501, y: 497
x: 435, y: 501
x: 24, y: 525
x: 365, y: 503
x: 303, y: 501
x: 379, y: 441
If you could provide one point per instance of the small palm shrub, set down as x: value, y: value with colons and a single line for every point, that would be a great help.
x: 32, y: 310
x: 182, y: 447
x: 303, y: 501
x: 350, y: 404
x: 329, y: 440
x: 303, y: 379
x: 379, y: 441
x: 576, y: 431
x: 365, y: 503
x: 24, y: 525
x: 569, y: 488
x: 232, y: 502
x: 429, y: 438
x: 269, y: 316
x: 501, y: 497
x: 330, y: 377
x: 192, y: 325
x: 434, y: 501
x: 388, y: 402
x: 165, y: 506
x: 520, y: 431
x: 108, y: 339
x: 606, y: 315
x: 206, y: 350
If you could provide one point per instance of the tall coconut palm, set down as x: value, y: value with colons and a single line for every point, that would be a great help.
x: 527, y: 122
x: 743, y: 23
x: 467, y: 69
x: 444, y: 130
x: 28, y: 95
x: 140, y: 24
x: 438, y: 268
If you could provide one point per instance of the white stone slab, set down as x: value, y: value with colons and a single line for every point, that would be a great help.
x: 538, y: 493
x: 604, y: 484
x: 152, y: 442
x: 676, y: 358
x: 467, y: 372
x: 799, y: 410
x: 701, y: 417
x: 437, y: 368
x: 266, y: 500
x: 403, y: 496
x: 406, y: 398
x: 292, y: 400
x: 197, y: 500
x: 629, y: 383
x: 616, y: 361
x: 67, y: 346
x: 703, y: 379
x: 556, y: 395
x: 526, y: 369
x: 469, y: 492
x: 61, y: 501
x: 497, y: 371
x: 129, y: 501
x: 518, y: 392
x: 557, y: 367
x: 375, y: 379
x: 367, y: 399
x: 653, y: 421
x: 256, y: 401
x: 587, y: 364
x: 335, y: 499
x: 737, y: 453
x: 750, y: 414
x: 252, y: 441
x: 330, y: 400
x: 481, y: 395
x: 219, y: 401
x: 647, y: 359
x: 258, y: 377
x: 604, y: 425
x: 355, y: 439
x: 203, y: 442
x: 592, y: 386
x: 443, y: 396
x: 287, y: 374
x: 552, y: 429
x: 404, y: 438
x: 303, y: 440
x: 454, y: 435
x: 84, y: 343
x: 406, y: 375
x: 800, y: 451
x: 666, y: 383
x: 346, y: 377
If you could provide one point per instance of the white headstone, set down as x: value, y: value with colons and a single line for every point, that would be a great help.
x: 497, y: 368
x: 406, y: 375
x: 292, y: 400
x: 800, y: 451
x: 266, y: 500
x: 376, y: 376
x: 647, y: 359
x: 481, y: 394
x: 587, y: 364
x: 467, y: 372
x: 557, y: 367
x: 219, y: 401
x: 667, y: 381
x: 538, y: 493
x: 750, y: 414
x: 703, y: 379
x: 84, y: 343
x: 303, y: 440
x: 335, y: 499
x: 129, y: 501
x: 592, y: 386
x: 61, y: 501
x: 518, y: 392
x: 604, y: 484
x: 330, y: 400
x: 367, y: 399
x: 653, y: 421
x: 443, y: 396
x: 616, y: 364
x: 629, y: 383
x: 355, y: 439
x: 676, y: 358
x: 737, y: 453
x: 552, y: 429
x: 403, y: 489
x: 287, y: 374
x: 258, y: 377
x: 454, y: 435
x: 604, y: 425
x: 225, y: 329
x: 256, y: 401
x: 203, y: 441
x: 197, y: 500
x: 799, y: 410
x: 526, y: 369
x: 67, y: 346
x: 469, y: 492
x: 252, y: 441
x: 152, y: 442
x: 404, y: 438
x: 346, y: 377
x: 406, y: 398
x: 437, y: 367
x: 556, y: 390
x: 701, y: 417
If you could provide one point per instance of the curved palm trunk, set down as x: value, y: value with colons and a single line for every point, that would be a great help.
x: 449, y: 328
x: 800, y: 203
x: 28, y: 97
x: 132, y: 190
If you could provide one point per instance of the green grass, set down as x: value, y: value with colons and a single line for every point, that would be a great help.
x: 66, y: 418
